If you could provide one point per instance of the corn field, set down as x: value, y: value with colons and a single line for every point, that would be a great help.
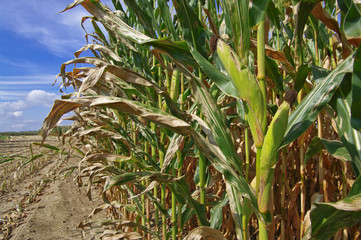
x: 218, y: 119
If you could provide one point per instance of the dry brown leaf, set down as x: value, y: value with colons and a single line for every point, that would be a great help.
x: 205, y: 233
x: 276, y: 55
x: 100, y: 48
x: 321, y: 14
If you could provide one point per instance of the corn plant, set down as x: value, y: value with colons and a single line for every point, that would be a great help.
x: 4, y: 137
x: 164, y: 107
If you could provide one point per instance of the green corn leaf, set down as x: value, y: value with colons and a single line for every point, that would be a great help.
x: 33, y: 158
x: 181, y: 190
x: 219, y: 161
x: 82, y: 154
x: 356, y: 187
x: 127, y: 34
x: 193, y: 31
x: 48, y: 146
x: 6, y: 160
x: 328, y: 218
x: 350, y: 137
x: 221, y: 80
x: 334, y: 147
x: 217, y: 213
x: 142, y: 16
x: 304, y: 10
x: 352, y: 22
x: 236, y: 209
x: 356, y: 90
x: 167, y: 18
x: 224, y: 140
x: 187, y: 213
x: 257, y: 12
x: 344, y: 5
x: 238, y: 12
x: 301, y: 76
x: 274, y: 14
x: 273, y: 73
x: 313, y: 149
x: 241, y: 112
x: 216, y: 122
x: 306, y: 112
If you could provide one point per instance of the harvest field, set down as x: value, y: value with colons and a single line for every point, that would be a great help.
x: 216, y: 119
x: 36, y: 201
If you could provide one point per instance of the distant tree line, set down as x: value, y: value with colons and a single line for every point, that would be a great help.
x: 59, y: 130
x: 21, y: 133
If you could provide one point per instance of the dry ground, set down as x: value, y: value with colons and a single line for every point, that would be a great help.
x: 35, y: 201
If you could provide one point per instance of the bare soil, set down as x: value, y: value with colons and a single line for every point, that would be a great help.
x: 36, y: 202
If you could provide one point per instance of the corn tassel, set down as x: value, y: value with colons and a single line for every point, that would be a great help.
x: 247, y: 86
x: 272, y: 142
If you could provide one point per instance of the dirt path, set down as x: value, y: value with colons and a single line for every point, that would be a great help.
x: 32, y: 208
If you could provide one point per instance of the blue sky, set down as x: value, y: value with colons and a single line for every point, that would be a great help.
x: 34, y: 41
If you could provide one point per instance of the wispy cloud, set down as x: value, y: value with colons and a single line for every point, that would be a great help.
x: 6, y: 107
x: 39, y: 20
x: 11, y: 95
x: 27, y: 95
x: 27, y: 80
x: 17, y: 87
x: 24, y: 64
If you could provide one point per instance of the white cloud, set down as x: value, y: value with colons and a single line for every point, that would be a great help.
x: 17, y: 87
x: 6, y: 107
x: 40, y: 97
x: 15, y: 115
x: 39, y: 20
x: 31, y: 99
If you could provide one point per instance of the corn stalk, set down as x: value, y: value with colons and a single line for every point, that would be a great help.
x: 144, y: 131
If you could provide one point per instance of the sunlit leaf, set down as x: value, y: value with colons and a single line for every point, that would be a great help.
x: 193, y: 31
x: 356, y: 89
x: 257, y: 12
x: 352, y: 23
x: 328, y: 218
x: 306, y: 112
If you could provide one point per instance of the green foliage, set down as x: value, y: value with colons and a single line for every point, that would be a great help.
x: 174, y: 87
x: 21, y: 133
x: 4, y: 137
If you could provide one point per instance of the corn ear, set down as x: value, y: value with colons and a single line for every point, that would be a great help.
x: 175, y: 85
x: 254, y: 126
x: 272, y: 142
x: 247, y: 86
